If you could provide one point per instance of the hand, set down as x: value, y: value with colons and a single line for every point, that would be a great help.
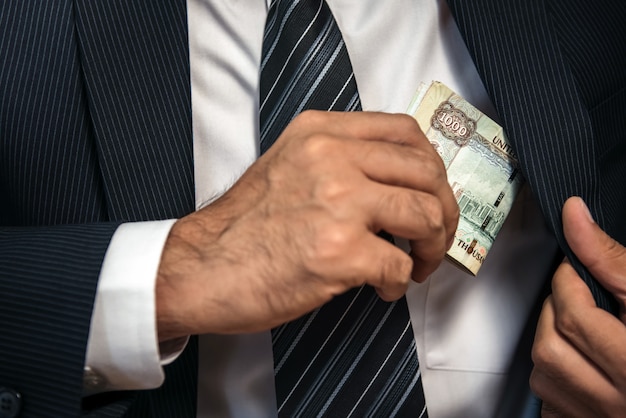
x: 580, y: 349
x: 300, y: 226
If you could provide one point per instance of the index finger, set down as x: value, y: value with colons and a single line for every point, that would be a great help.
x: 396, y: 128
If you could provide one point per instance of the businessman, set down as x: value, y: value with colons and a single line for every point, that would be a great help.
x: 98, y: 139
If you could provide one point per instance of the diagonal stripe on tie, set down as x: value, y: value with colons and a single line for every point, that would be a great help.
x: 355, y: 356
x: 308, y: 69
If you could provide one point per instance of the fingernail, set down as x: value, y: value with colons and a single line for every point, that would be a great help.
x: 586, y: 210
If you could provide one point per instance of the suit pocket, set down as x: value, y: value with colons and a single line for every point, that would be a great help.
x: 474, y: 323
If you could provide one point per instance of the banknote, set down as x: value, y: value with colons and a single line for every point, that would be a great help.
x: 482, y: 169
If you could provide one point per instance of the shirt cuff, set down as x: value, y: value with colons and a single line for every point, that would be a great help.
x: 123, y: 348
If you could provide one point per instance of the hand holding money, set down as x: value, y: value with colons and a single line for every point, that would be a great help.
x: 482, y: 169
x: 301, y: 225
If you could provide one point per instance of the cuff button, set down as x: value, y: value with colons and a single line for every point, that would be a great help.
x: 10, y: 403
x: 92, y: 380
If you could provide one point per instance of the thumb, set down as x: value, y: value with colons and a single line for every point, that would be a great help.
x: 604, y: 257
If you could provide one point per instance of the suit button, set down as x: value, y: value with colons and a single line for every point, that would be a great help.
x: 10, y: 403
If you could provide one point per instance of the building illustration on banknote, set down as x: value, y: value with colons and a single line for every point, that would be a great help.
x: 483, y: 216
x: 481, y: 166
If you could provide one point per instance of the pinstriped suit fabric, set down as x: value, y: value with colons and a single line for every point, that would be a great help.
x: 47, y: 168
x: 136, y: 67
x: 601, y: 79
x: 94, y: 126
x: 59, y: 128
x: 559, y: 157
x: 555, y: 71
x: 599, y: 70
x: 134, y: 55
x: 113, y: 410
x: 610, y: 125
x: 45, y: 321
x: 45, y: 173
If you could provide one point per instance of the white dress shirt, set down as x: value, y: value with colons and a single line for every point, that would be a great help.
x: 465, y: 328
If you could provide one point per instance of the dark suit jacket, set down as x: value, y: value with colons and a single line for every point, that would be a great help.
x: 95, y: 129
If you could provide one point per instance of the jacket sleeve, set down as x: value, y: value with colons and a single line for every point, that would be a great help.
x: 48, y: 280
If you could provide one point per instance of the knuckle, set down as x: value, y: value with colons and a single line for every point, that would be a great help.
x: 567, y: 323
x: 432, y: 165
x: 394, y: 274
x: 396, y: 270
x: 433, y: 213
x: 546, y: 356
x: 309, y: 118
x: 406, y: 122
x: 333, y: 241
x: 317, y: 147
x: 331, y: 189
x: 425, y: 207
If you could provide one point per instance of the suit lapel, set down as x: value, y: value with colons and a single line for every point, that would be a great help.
x: 519, y: 60
x: 135, y: 63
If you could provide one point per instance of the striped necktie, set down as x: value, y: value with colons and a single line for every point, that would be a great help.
x: 355, y: 356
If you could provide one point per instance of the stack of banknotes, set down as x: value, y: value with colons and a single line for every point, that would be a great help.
x: 482, y: 169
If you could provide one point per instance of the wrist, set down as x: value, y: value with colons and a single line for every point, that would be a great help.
x: 186, y: 262
x: 168, y: 289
